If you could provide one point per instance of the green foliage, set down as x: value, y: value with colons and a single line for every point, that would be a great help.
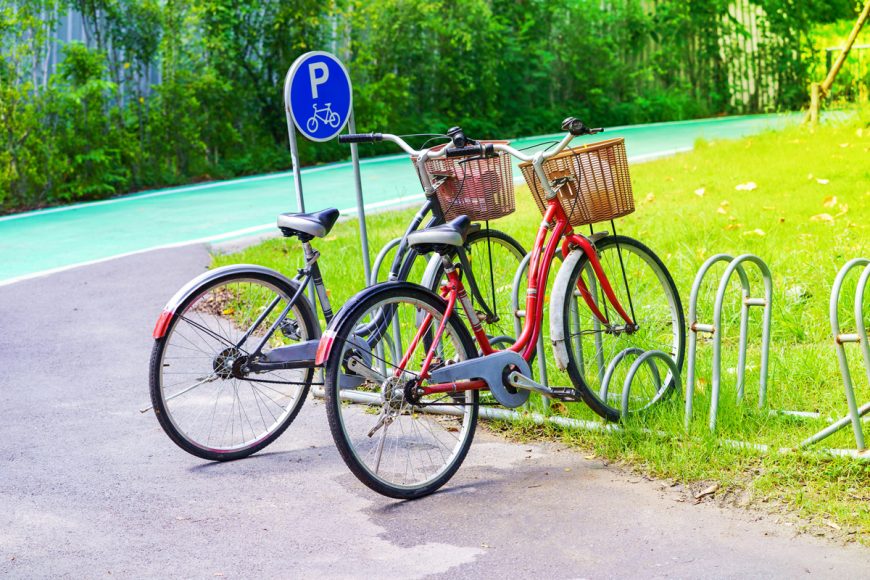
x: 97, y: 126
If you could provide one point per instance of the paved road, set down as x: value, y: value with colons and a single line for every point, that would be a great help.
x: 91, y: 488
x: 41, y: 241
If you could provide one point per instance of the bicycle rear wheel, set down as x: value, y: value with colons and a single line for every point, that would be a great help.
x: 399, y: 444
x: 646, y: 290
x: 206, y: 405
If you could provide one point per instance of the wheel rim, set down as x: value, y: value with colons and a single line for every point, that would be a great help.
x: 392, y: 439
x: 603, y: 355
x: 202, y: 394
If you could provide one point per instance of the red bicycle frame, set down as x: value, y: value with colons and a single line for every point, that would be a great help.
x: 543, y: 254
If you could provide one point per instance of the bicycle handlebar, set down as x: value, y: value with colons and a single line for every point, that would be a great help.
x: 360, y: 138
x: 574, y: 127
x: 481, y: 149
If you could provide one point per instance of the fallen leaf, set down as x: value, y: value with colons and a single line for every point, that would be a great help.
x: 700, y: 192
x: 593, y: 456
x: 708, y: 491
x: 782, y: 220
x: 821, y: 181
x: 567, y: 469
x: 721, y: 210
x: 822, y: 217
x: 755, y: 232
x: 768, y: 208
x: 830, y: 201
x: 844, y: 145
x: 810, y: 176
x: 844, y: 209
x: 730, y: 227
x: 748, y: 186
x: 724, y: 203
x: 831, y: 524
x: 650, y: 197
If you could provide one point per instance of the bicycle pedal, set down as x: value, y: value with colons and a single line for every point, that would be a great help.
x: 566, y: 394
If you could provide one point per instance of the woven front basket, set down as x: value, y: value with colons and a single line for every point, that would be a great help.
x: 591, y: 181
x: 482, y: 189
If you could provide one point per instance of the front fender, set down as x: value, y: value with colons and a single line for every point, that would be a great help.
x: 191, y: 288
x: 557, y: 308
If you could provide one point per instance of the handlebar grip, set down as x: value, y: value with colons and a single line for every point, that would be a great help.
x: 484, y: 150
x: 464, y: 151
x: 360, y: 138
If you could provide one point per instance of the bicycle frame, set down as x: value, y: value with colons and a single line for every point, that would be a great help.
x: 543, y: 254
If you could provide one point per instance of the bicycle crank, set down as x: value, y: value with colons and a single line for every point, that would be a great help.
x: 567, y: 394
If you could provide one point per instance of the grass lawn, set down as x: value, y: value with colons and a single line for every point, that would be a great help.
x: 806, y: 215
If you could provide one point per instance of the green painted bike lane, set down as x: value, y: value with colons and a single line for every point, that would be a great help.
x: 40, y: 242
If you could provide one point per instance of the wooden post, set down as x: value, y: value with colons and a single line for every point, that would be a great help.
x: 821, y: 91
x: 838, y: 64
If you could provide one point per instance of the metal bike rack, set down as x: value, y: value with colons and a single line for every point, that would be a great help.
x: 715, y: 329
x: 382, y: 255
x: 840, y: 341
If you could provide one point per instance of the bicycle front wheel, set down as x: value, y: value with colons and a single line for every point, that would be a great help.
x: 397, y: 442
x: 646, y: 290
x: 207, y: 404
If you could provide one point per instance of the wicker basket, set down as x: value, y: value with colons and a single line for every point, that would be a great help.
x: 592, y: 182
x: 482, y: 189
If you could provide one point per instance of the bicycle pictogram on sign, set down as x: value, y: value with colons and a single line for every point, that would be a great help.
x: 324, y: 115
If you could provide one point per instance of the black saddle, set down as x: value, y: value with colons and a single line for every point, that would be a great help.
x: 307, y: 225
x: 439, y: 237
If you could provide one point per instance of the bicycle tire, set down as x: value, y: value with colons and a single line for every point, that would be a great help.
x: 304, y: 317
x: 347, y: 417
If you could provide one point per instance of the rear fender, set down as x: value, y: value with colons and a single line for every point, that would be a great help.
x: 191, y: 288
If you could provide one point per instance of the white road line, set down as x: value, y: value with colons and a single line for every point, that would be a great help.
x: 189, y: 188
x: 305, y: 171
x: 265, y: 227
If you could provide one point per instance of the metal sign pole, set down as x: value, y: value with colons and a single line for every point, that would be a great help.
x: 294, y: 156
x: 297, y: 175
x: 360, y: 207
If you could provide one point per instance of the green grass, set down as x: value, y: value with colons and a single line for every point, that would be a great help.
x: 806, y: 217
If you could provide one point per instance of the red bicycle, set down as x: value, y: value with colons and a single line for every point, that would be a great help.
x: 406, y: 424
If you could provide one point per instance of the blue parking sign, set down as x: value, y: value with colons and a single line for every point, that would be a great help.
x: 318, y: 94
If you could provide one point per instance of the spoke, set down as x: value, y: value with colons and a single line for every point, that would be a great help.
x: 209, y: 332
x: 207, y: 379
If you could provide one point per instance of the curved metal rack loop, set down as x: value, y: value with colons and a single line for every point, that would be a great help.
x: 611, y: 368
x: 647, y: 358
x: 840, y: 341
x: 382, y: 255
x: 734, y: 265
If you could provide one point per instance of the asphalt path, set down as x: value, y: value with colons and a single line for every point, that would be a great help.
x: 91, y: 488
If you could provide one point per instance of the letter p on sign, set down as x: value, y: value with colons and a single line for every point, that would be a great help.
x: 318, y: 72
